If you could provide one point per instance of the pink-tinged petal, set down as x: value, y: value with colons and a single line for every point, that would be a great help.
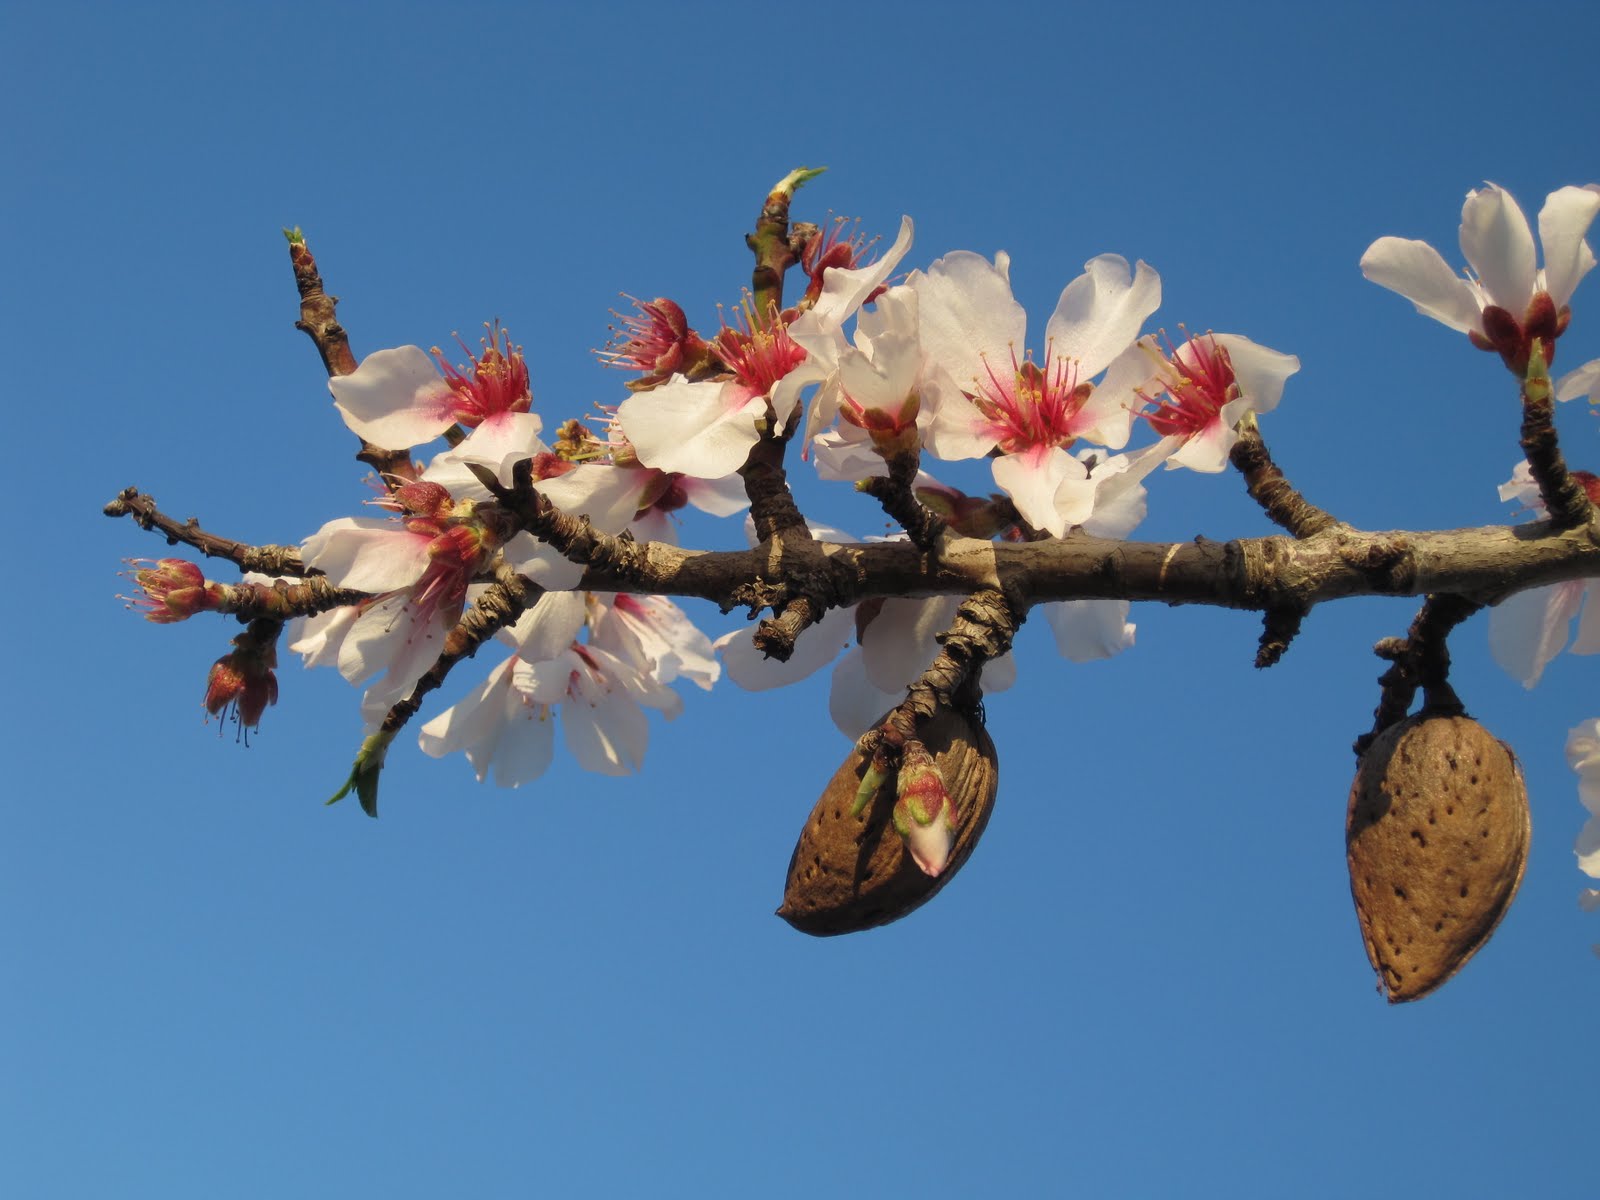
x: 815, y: 648
x: 367, y: 553
x: 1585, y: 382
x: 1563, y: 223
x: 1207, y: 451
x: 1101, y: 312
x: 1528, y: 629
x: 395, y: 399
x: 853, y: 702
x: 1259, y: 370
x: 1419, y: 273
x: 844, y: 290
x: 1090, y: 629
x: 496, y: 730
x: 1498, y: 243
x: 900, y: 642
x: 548, y: 628
x: 1588, y: 638
x: 702, y: 429
x: 1050, y: 488
x: 968, y: 316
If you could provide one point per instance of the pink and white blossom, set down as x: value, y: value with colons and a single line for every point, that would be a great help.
x: 1506, y: 298
x: 1032, y: 411
x: 1204, y: 388
x: 399, y: 398
x: 1583, y: 756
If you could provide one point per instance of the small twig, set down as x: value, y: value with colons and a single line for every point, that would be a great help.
x: 1279, y: 627
x: 1420, y: 659
x: 1282, y: 502
x: 894, y: 492
x: 1565, y: 499
x: 320, y: 322
x: 500, y: 605
x: 982, y: 630
x: 575, y: 537
x: 267, y: 560
x: 281, y: 600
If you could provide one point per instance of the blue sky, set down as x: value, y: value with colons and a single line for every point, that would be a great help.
x: 1148, y: 980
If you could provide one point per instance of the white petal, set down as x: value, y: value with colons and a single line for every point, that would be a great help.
x: 1419, y: 273
x: 853, y: 702
x: 395, y: 399
x: 1498, y: 243
x: 845, y: 290
x: 1089, y: 629
x: 608, y: 735
x: 609, y: 496
x: 1528, y: 629
x: 1587, y: 848
x: 1107, y: 416
x: 969, y: 320
x: 550, y: 626
x: 1050, y: 488
x: 816, y: 647
x: 367, y: 553
x: 542, y: 563
x: 899, y: 642
x: 1101, y: 312
x: 701, y: 429
x: 1259, y: 370
x: 1584, y: 381
x: 1563, y: 222
x: 958, y: 429
x: 1588, y: 639
x: 1583, y: 756
x: 1207, y: 451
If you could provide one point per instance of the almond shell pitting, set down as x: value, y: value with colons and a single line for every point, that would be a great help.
x: 1436, y: 839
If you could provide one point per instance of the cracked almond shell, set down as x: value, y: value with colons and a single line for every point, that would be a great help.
x: 850, y: 873
x: 1436, y: 838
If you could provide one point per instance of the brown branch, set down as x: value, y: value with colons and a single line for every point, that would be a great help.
x: 267, y: 560
x: 1564, y: 497
x: 320, y: 322
x: 1278, y: 498
x: 1421, y: 659
x: 894, y: 492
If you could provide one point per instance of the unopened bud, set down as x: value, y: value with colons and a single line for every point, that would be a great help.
x: 924, y: 813
x: 174, y: 590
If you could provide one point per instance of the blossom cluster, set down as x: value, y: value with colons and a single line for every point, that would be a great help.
x: 876, y: 372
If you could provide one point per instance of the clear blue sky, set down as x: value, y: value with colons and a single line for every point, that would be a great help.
x: 1149, y: 979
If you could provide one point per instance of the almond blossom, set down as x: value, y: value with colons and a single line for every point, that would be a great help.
x: 706, y: 429
x: 598, y: 688
x: 1506, y: 299
x: 1210, y: 384
x: 1529, y: 628
x: 398, y: 398
x: 1031, y: 412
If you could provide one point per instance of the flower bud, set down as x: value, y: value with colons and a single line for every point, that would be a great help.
x: 1436, y: 839
x: 853, y: 869
x: 243, y: 680
x: 174, y: 590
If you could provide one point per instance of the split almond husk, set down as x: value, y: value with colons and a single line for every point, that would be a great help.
x: 1436, y: 839
x: 853, y: 872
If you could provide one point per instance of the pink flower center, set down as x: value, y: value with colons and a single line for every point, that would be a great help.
x: 759, y: 358
x: 498, y: 382
x: 1197, y: 381
x: 1031, y: 407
